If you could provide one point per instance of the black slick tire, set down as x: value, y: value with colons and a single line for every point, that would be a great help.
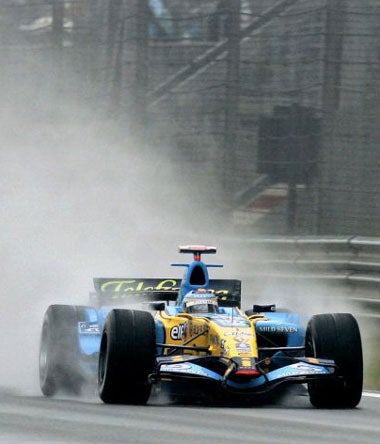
x: 59, y: 351
x: 336, y: 336
x: 126, y: 357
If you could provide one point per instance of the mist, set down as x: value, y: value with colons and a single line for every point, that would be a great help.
x: 80, y: 198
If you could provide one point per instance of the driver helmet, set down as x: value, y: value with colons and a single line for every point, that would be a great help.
x: 200, y: 301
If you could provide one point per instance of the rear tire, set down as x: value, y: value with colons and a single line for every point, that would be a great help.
x: 127, y: 357
x: 336, y: 336
x: 59, y: 350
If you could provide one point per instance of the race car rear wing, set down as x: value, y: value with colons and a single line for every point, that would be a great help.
x: 110, y: 291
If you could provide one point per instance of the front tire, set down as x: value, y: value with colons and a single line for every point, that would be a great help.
x: 59, y: 351
x: 336, y: 336
x: 127, y: 357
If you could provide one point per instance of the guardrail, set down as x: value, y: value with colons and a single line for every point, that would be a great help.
x: 352, y: 261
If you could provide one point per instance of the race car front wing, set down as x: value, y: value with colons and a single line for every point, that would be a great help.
x: 194, y: 368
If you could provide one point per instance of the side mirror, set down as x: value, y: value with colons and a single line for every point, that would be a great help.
x: 264, y: 308
x: 159, y: 306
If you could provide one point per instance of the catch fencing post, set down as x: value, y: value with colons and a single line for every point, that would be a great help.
x: 232, y: 96
x: 141, y: 73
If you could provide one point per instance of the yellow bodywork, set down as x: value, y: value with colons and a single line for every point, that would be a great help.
x: 223, y: 335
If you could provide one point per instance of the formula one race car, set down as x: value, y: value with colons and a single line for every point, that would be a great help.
x: 195, y: 342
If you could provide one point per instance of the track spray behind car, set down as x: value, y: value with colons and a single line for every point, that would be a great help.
x: 195, y: 341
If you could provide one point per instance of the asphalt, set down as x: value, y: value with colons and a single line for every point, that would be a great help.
x: 34, y: 419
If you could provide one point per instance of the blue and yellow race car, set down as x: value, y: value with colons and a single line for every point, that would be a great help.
x: 194, y: 341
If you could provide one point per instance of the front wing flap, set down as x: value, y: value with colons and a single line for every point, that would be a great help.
x: 192, y: 368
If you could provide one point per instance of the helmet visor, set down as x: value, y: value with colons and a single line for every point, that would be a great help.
x: 205, y: 306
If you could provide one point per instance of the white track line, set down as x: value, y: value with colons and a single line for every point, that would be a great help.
x: 371, y: 394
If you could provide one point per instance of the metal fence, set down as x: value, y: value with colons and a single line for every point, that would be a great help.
x: 276, y: 103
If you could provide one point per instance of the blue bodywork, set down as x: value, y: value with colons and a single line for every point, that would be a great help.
x: 195, y: 277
